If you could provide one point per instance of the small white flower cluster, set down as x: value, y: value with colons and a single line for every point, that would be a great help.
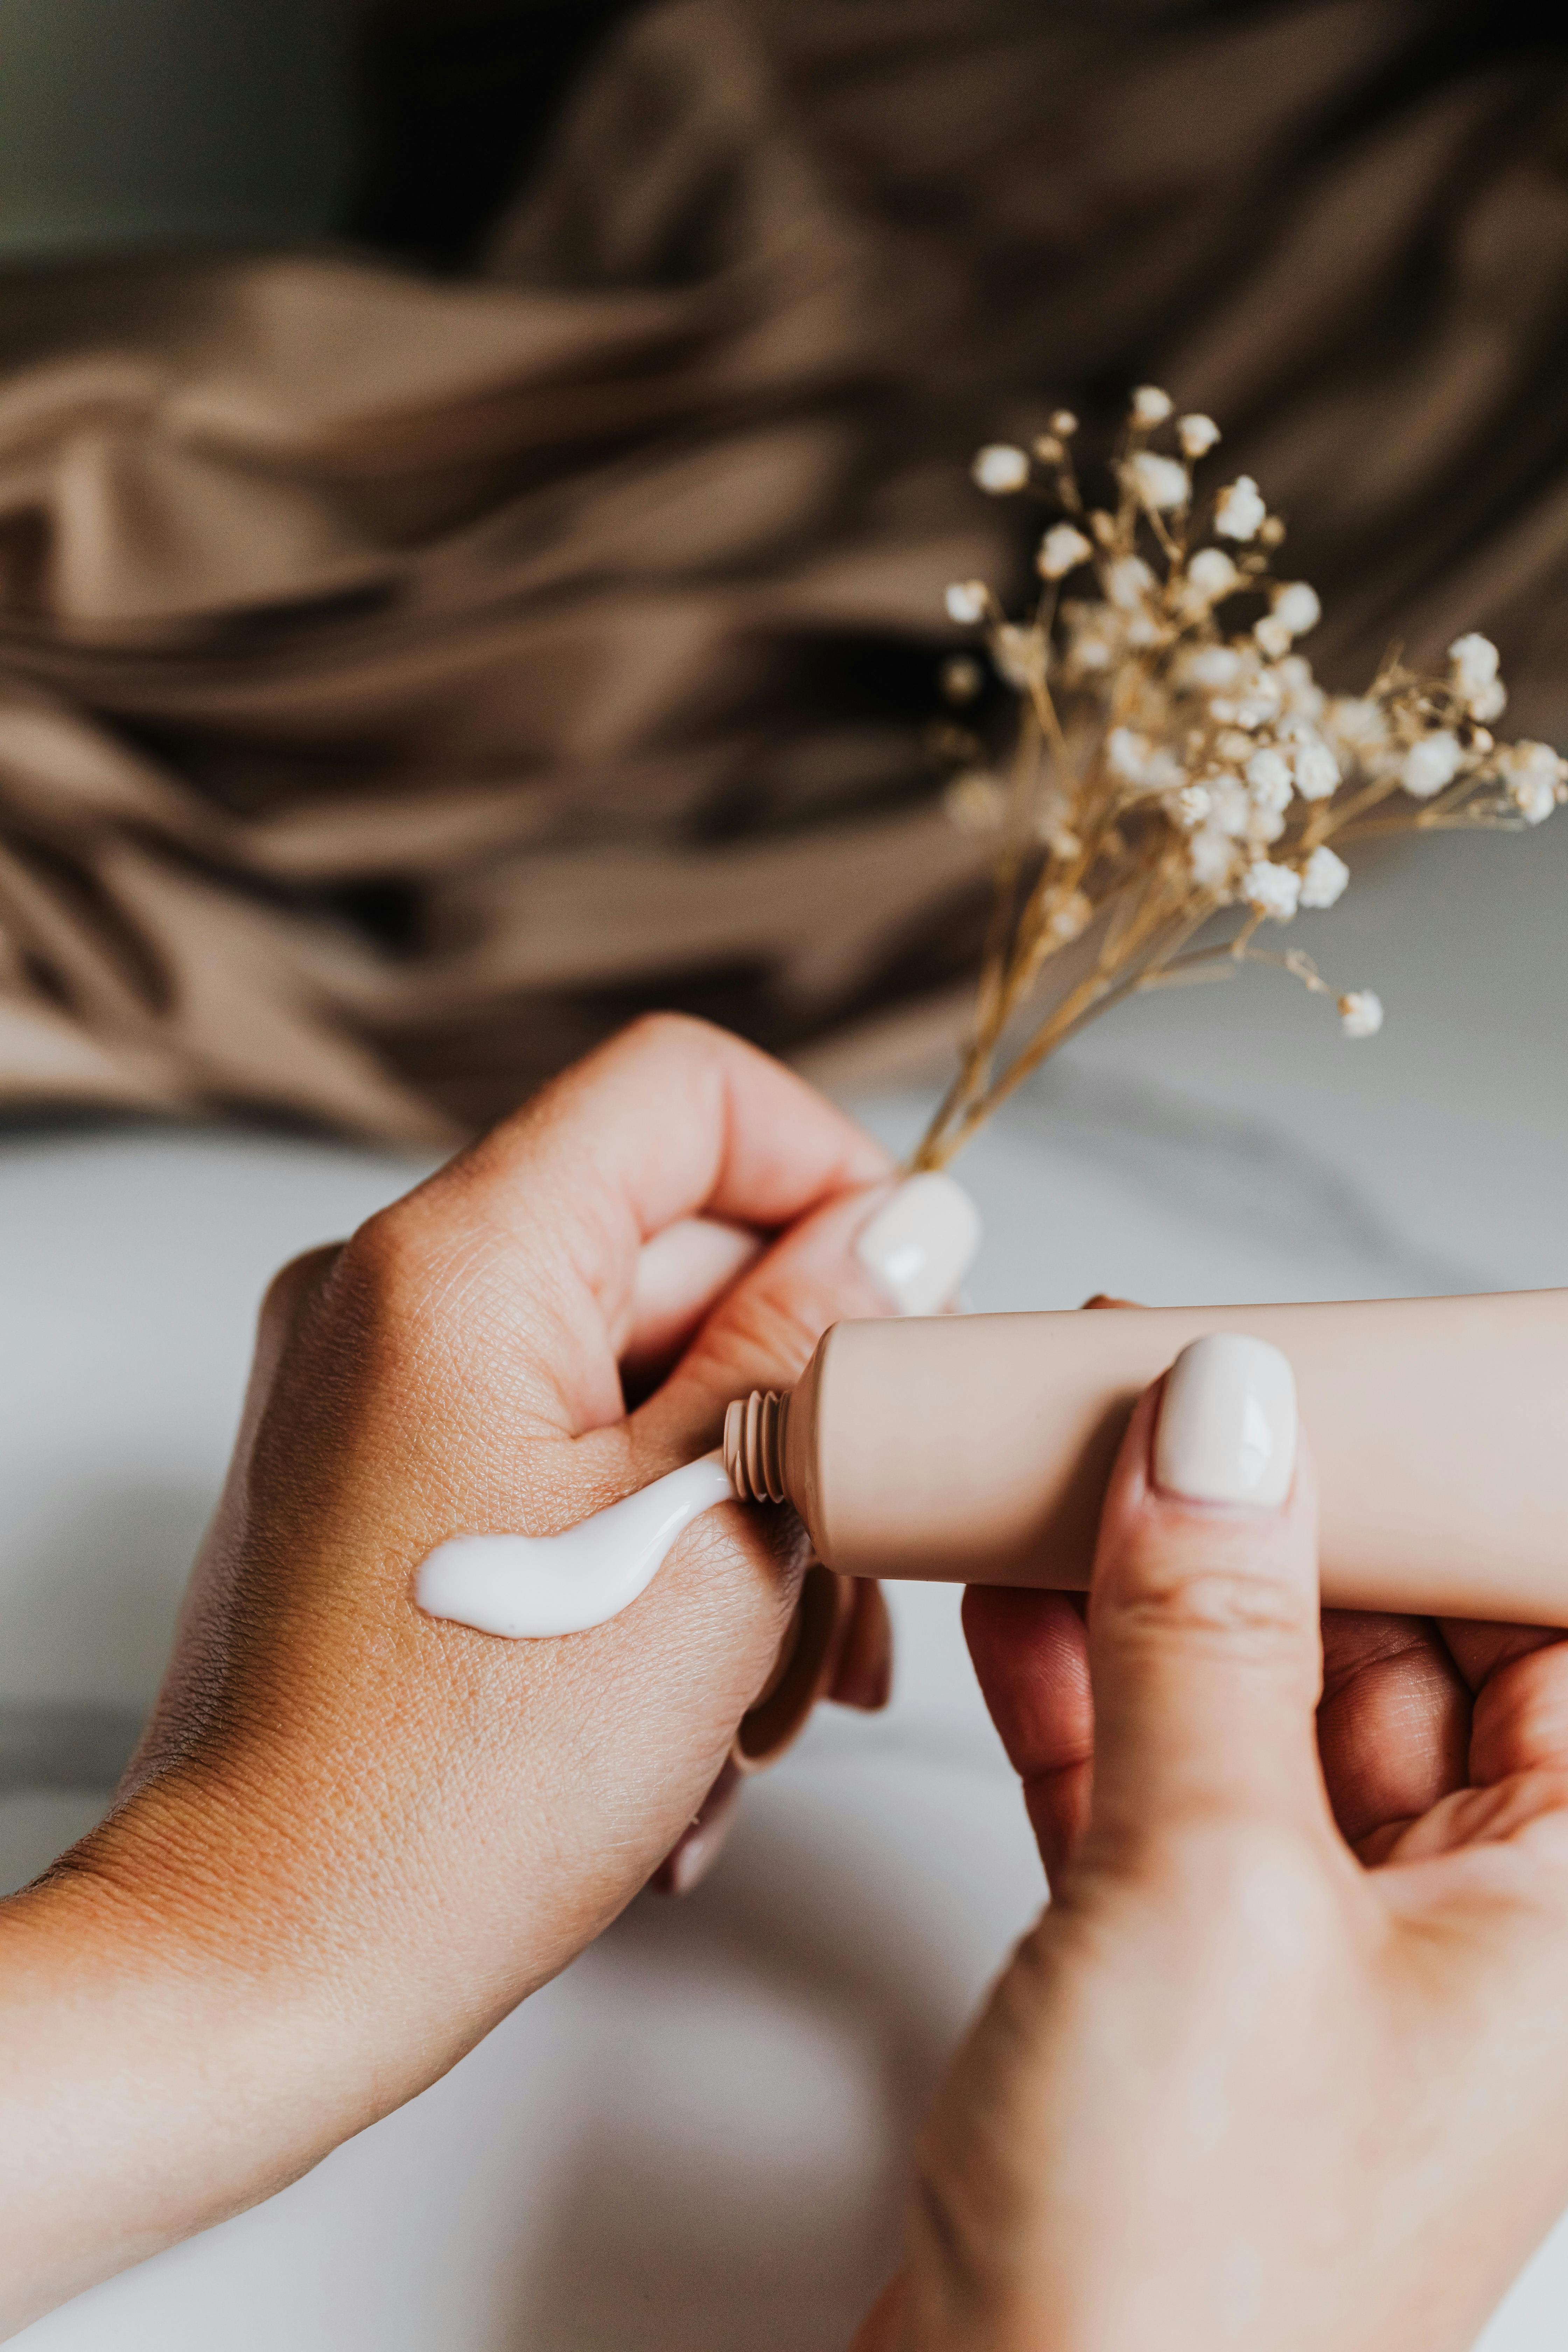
x: 1536, y: 778
x: 1239, y: 512
x: 1474, y: 662
x: 1361, y: 1013
x: 1062, y: 550
x: 999, y: 467
x: 1431, y: 738
x: 1185, y: 759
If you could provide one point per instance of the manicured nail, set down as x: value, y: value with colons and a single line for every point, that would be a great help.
x: 698, y: 1848
x: 677, y: 1276
x: 863, y: 1676
x: 921, y: 1243
x: 1226, y: 1432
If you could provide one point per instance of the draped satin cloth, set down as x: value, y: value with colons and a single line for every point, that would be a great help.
x: 404, y: 680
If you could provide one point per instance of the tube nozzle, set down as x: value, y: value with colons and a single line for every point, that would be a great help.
x: 753, y: 1446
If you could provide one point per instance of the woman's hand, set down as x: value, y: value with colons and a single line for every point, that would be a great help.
x: 1285, y: 2064
x: 353, y: 1837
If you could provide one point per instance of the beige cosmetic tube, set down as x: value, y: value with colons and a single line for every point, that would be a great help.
x: 974, y: 1449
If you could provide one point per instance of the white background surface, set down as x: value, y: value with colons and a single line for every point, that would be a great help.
x: 698, y: 2138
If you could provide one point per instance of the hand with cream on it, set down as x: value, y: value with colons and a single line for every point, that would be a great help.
x: 1284, y: 2066
x: 354, y: 1836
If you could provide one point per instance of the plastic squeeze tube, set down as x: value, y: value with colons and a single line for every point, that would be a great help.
x: 976, y: 1449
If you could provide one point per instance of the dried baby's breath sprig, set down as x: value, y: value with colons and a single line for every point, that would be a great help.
x: 1175, y: 762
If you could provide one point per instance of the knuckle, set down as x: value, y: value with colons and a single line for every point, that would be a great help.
x: 1256, y: 1883
x: 1238, y: 1861
x: 384, y: 1274
x: 763, y: 1335
x: 659, y: 1033
x: 376, y: 1255
x: 291, y: 1286
x: 1216, y: 1598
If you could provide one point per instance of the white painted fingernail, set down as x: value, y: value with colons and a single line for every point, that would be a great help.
x: 1226, y: 1432
x: 679, y: 1273
x: 920, y: 1244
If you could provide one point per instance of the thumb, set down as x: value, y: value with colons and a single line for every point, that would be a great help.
x: 886, y: 1249
x: 1203, y: 1644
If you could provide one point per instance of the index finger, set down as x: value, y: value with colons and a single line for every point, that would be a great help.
x: 673, y: 1118
x: 683, y: 1117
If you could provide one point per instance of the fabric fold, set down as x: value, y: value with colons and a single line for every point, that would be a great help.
x: 402, y: 680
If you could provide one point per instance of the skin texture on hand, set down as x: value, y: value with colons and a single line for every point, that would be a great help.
x: 1285, y: 2064
x: 354, y: 1837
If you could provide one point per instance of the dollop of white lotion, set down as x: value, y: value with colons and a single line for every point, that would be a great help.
x: 526, y: 1587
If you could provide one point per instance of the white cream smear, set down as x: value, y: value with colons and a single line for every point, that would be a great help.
x: 525, y: 1587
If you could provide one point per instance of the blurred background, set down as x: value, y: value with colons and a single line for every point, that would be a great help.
x: 477, y: 483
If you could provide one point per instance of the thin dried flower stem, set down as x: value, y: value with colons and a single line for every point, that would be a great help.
x: 1168, y: 767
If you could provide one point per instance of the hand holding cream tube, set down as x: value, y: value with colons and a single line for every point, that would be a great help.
x: 976, y: 1449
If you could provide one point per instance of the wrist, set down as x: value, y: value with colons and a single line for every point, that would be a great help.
x: 159, y: 2069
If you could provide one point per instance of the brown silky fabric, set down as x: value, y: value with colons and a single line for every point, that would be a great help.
x: 402, y: 681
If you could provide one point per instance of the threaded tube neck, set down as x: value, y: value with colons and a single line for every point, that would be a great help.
x: 753, y: 1446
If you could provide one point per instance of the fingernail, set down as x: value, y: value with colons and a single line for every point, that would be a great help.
x: 920, y: 1244
x: 698, y: 1848
x: 863, y: 1675
x: 1226, y: 1432
x: 678, y: 1274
